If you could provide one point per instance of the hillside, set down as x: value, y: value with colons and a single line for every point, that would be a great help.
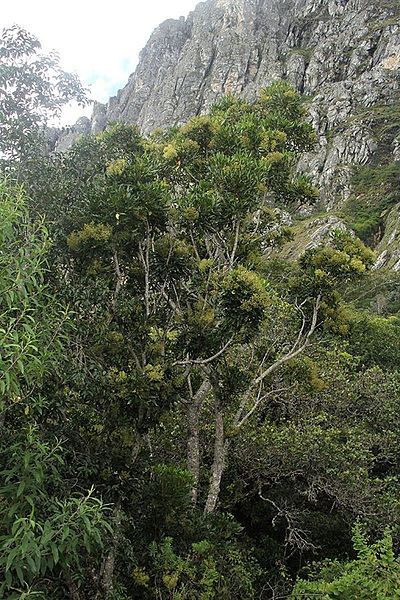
x: 342, y: 55
x: 199, y: 358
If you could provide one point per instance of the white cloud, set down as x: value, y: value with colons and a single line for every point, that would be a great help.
x: 100, y: 44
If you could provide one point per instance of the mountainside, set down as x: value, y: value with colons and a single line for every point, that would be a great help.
x: 343, y: 55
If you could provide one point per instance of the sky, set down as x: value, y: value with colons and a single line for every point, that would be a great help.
x: 101, y: 45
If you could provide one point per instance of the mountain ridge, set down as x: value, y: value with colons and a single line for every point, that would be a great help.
x: 342, y: 55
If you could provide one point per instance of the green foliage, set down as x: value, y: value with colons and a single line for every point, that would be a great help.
x: 344, y: 259
x: 30, y: 319
x: 245, y: 297
x: 325, y: 268
x: 193, y: 380
x: 42, y: 534
x: 341, y: 451
x: 375, y: 339
x: 378, y: 293
x: 202, y: 573
x: 45, y: 530
x: 34, y: 89
x: 90, y: 234
x: 169, y: 493
x: 375, y: 190
x: 375, y: 574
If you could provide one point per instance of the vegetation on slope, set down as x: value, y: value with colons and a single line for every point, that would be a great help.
x: 181, y: 416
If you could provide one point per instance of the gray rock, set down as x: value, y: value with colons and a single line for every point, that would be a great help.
x: 311, y: 233
x: 343, y: 55
x: 99, y: 118
x: 64, y: 138
x: 388, y: 250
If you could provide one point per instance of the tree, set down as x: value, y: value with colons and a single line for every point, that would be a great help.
x: 33, y: 89
x: 190, y: 361
x: 231, y: 172
x: 46, y: 528
x: 182, y: 221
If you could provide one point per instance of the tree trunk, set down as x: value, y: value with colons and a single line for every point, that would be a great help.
x: 220, y: 452
x: 193, y: 449
x: 106, y: 583
x: 193, y: 444
x: 73, y: 590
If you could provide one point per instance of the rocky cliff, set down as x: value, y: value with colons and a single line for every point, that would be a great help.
x: 343, y: 55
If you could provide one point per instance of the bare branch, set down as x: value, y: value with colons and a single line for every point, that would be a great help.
x: 145, y: 258
x: 260, y: 400
x: 119, y: 279
x: 206, y: 361
x: 297, y: 348
x: 295, y: 538
x: 194, y: 246
x: 169, y: 300
x: 235, y: 244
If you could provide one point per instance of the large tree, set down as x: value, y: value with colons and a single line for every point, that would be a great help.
x: 201, y: 376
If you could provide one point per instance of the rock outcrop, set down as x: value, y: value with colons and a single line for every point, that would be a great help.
x: 388, y: 249
x: 343, y: 55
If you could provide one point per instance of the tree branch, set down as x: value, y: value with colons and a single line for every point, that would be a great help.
x: 296, y: 348
x: 205, y: 361
x: 260, y: 400
x: 235, y: 244
x: 119, y: 279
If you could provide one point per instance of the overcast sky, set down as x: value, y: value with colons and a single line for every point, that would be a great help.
x: 99, y: 43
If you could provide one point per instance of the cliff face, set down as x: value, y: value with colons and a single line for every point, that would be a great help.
x: 343, y: 55
x: 346, y: 52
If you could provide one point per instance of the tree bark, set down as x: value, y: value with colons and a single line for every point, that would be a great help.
x: 106, y: 583
x: 220, y: 452
x: 193, y: 444
x: 73, y: 590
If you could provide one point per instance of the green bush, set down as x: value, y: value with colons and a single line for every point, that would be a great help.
x: 375, y: 339
x: 375, y: 189
x: 373, y: 575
